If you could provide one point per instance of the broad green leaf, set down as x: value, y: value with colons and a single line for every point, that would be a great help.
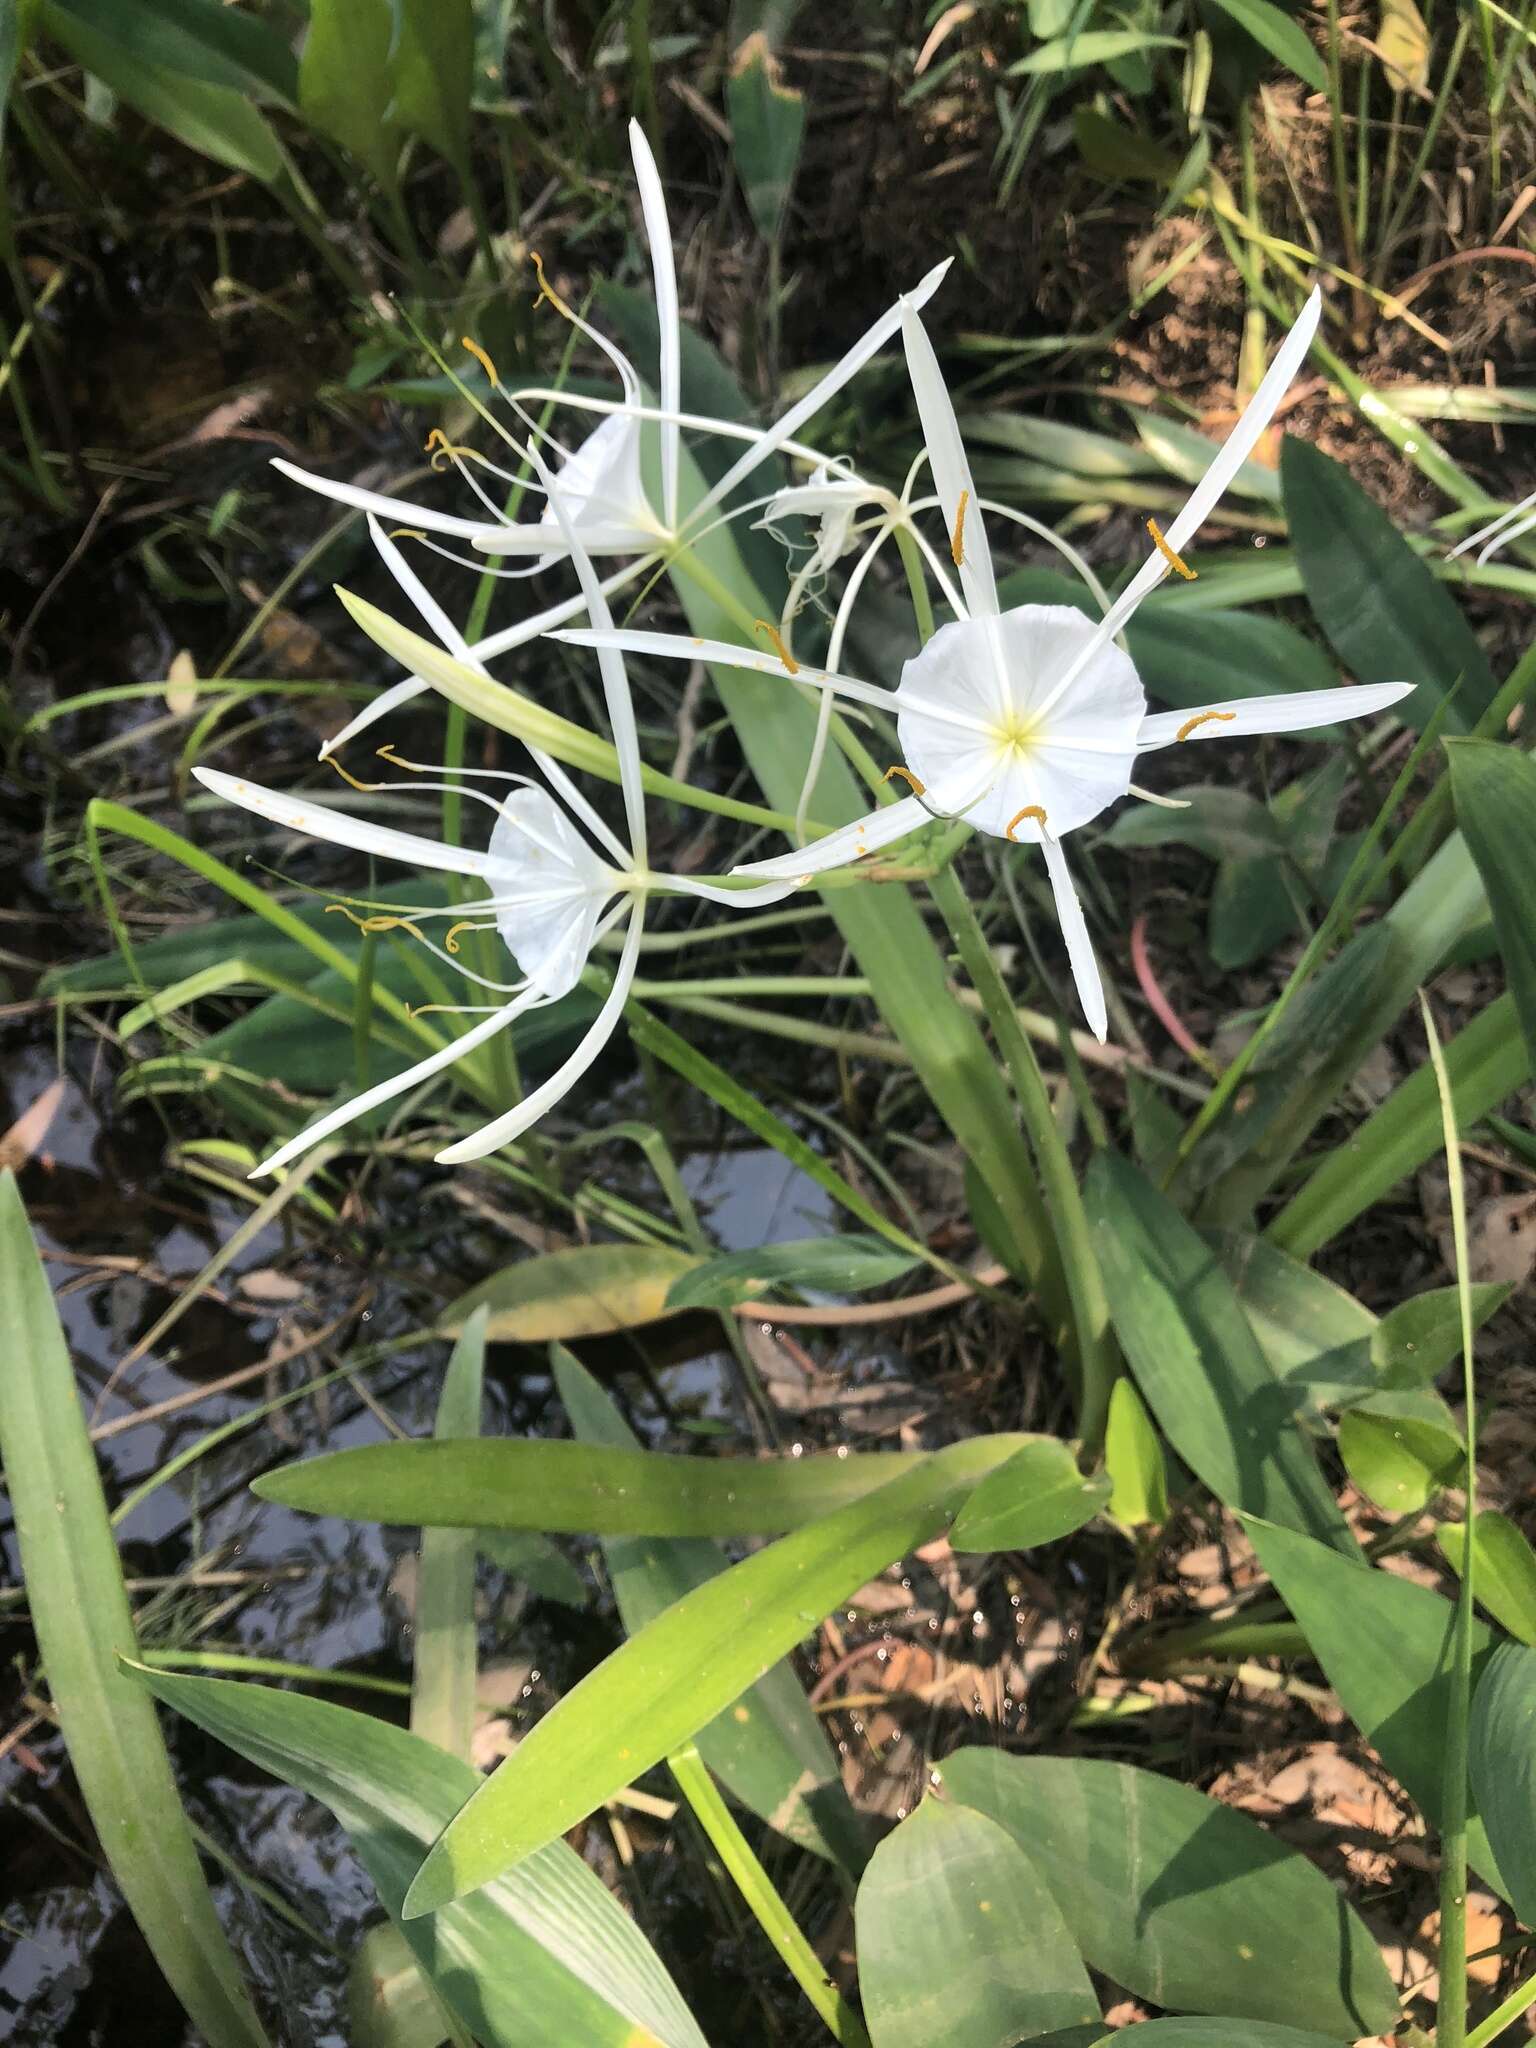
x: 1216, y: 2033
x: 547, y: 1572
x: 1227, y: 824
x: 84, y: 1626
x: 767, y: 117
x: 1093, y: 46
x: 432, y: 62
x: 1215, y: 1395
x: 544, y: 1959
x: 1487, y: 1061
x: 215, y: 120
x: 675, y: 1675
x: 1399, y: 1462
x: 443, y: 1675
x: 959, y: 1941
x: 345, y: 87
x: 1036, y: 1497
x: 1180, y: 1899
x: 1495, y: 790
x: 390, y: 2004
x: 584, y: 1291
x: 1383, y: 611
x: 201, y: 40
x: 16, y: 26
x: 769, y: 1748
x: 1502, y: 1762
x: 1415, y: 1342
x: 1113, y: 151
x: 1505, y: 1576
x: 528, y: 1483
x: 1133, y: 1458
x: 1384, y: 1648
x: 1188, y: 454
x: 1281, y: 36
x: 834, y: 1265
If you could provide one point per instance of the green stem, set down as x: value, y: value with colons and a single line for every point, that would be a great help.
x: 1098, y: 1360
x: 768, y: 1909
x: 1520, y: 2000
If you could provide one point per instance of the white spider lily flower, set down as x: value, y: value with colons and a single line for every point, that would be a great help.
x: 606, y: 502
x: 549, y: 894
x: 1511, y: 525
x: 1028, y: 723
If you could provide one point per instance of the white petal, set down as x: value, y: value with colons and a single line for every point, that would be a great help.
x: 599, y: 1031
x: 1493, y: 527
x: 868, y: 834
x: 621, y: 709
x: 1230, y: 457
x: 806, y: 408
x: 606, y: 536
x: 658, y: 232
x: 1069, y: 914
x: 431, y: 611
x: 386, y: 1091
x: 397, y: 509
x: 599, y: 483
x: 717, y: 892
x: 299, y: 814
x: 952, y: 477
x: 550, y: 888
x: 386, y: 701
x: 1300, y: 711
x: 686, y: 647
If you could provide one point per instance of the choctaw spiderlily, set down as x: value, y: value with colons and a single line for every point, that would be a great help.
x: 1028, y: 723
x: 606, y: 503
x: 550, y: 893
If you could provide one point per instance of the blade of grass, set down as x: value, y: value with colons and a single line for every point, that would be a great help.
x: 443, y: 1678
x: 1451, y: 2016
x: 84, y: 1625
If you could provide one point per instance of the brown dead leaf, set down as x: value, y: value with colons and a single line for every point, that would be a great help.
x: 21, y: 1141
x: 1501, y: 1243
x: 291, y: 646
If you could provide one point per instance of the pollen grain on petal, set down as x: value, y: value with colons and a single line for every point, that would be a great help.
x: 1200, y: 718
x: 957, y: 540
x: 789, y: 661
x: 1173, y: 560
x: 917, y: 788
x: 482, y: 359
x: 1034, y: 811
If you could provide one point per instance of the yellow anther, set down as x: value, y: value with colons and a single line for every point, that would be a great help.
x: 546, y: 289
x: 1203, y: 718
x: 433, y: 1010
x: 451, y: 937
x: 378, y: 924
x: 1174, y: 561
x: 482, y: 359
x: 407, y: 533
x: 957, y: 543
x: 364, y: 788
x: 395, y: 760
x: 917, y: 788
x: 789, y: 661
x: 1029, y: 811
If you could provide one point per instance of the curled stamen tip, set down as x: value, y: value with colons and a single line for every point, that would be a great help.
x: 917, y: 788
x: 451, y: 937
x: 789, y: 661
x: 363, y: 788
x: 957, y: 543
x: 1203, y: 718
x: 1173, y: 560
x: 1029, y: 811
x: 482, y: 359
x: 407, y: 533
